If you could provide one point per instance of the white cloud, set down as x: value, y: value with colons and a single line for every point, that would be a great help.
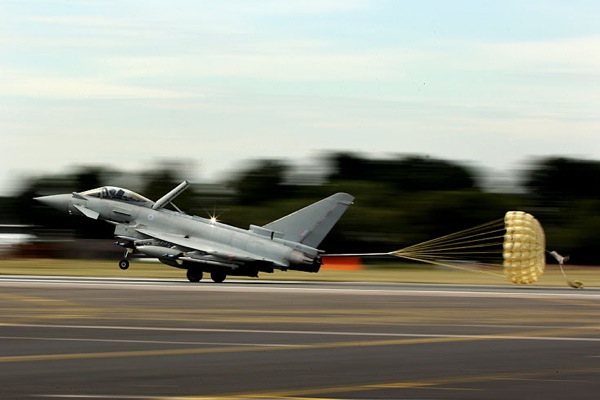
x: 78, y: 88
x: 279, y: 7
x: 87, y: 21
x: 534, y: 58
x: 286, y: 67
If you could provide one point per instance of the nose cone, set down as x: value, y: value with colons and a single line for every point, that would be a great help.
x: 58, y: 201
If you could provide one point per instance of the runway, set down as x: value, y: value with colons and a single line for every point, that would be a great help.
x: 82, y: 338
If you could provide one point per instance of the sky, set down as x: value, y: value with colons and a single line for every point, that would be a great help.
x: 214, y: 83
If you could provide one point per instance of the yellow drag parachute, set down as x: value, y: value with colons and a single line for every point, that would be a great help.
x: 515, y: 243
x: 524, y: 248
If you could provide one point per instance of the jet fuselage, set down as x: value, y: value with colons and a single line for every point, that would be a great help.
x: 200, y: 244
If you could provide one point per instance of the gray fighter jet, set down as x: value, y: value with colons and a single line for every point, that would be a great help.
x: 205, y: 245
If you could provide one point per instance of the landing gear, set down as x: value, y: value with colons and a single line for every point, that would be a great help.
x: 218, y: 276
x: 124, y: 264
x: 194, y: 275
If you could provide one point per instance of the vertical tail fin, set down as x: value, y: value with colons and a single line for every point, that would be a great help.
x: 311, y: 224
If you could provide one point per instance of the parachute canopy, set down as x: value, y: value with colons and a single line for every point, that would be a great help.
x: 524, y: 248
x: 515, y: 244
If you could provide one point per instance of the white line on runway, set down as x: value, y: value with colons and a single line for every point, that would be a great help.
x: 144, y: 341
x: 291, y: 287
x: 321, y: 333
x: 119, y: 396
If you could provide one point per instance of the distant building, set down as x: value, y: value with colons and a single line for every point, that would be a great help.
x: 12, y: 235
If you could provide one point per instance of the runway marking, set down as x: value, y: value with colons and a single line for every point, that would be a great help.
x: 532, y: 335
x: 441, y: 383
x: 102, y: 396
x: 188, y: 351
x: 427, y: 384
x: 275, y: 286
x: 141, y: 341
x: 408, y: 339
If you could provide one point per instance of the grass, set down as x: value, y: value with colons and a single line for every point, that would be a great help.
x: 590, y: 276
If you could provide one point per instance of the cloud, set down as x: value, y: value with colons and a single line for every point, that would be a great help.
x: 577, y: 55
x: 277, y: 7
x: 87, y: 21
x: 269, y: 67
x: 80, y: 88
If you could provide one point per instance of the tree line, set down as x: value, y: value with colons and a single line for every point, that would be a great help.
x: 399, y: 201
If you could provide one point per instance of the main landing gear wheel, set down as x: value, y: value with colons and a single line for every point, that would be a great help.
x: 194, y: 275
x: 124, y: 264
x: 218, y: 276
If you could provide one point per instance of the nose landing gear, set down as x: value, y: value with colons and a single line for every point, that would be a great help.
x: 124, y: 263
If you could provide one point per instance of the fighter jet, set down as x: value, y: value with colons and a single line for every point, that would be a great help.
x: 205, y: 245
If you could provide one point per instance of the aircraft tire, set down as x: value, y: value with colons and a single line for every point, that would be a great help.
x: 194, y: 275
x: 124, y: 264
x: 218, y: 276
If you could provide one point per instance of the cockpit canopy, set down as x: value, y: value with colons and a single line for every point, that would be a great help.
x: 116, y: 193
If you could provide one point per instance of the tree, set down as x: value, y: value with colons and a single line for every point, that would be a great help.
x: 407, y: 174
x: 264, y: 181
x: 559, y: 179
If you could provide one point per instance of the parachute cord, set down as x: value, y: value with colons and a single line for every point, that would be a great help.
x: 561, y: 260
x: 448, y: 265
x: 456, y: 246
x: 573, y: 284
x: 460, y: 236
x: 483, y: 240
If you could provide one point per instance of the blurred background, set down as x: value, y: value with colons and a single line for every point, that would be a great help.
x: 399, y: 201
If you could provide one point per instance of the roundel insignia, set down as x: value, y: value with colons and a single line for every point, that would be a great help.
x: 150, y: 217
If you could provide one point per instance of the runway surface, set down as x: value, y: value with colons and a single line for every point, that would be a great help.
x: 86, y: 338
